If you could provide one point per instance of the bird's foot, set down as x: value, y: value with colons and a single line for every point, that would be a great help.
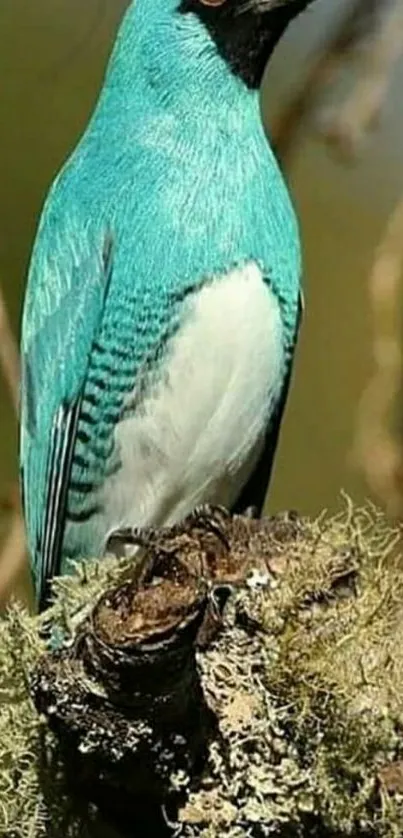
x: 212, y: 518
x: 120, y: 539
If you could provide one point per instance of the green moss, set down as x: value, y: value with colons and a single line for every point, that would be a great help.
x: 20, y: 803
x: 305, y: 681
x: 33, y: 800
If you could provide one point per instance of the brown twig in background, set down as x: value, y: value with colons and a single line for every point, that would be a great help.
x: 12, y: 557
x: 9, y: 358
x: 376, y: 451
x: 346, y: 125
x: 13, y: 550
x: 357, y: 25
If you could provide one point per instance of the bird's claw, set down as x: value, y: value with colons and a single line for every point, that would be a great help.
x: 119, y: 539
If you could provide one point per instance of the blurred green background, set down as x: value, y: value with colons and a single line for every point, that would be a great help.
x: 52, y: 58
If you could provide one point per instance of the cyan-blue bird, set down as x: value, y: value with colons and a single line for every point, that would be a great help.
x: 163, y: 297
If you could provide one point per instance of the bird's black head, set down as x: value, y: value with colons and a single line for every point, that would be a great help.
x: 245, y: 31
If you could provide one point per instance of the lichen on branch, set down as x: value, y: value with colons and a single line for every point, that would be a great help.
x: 233, y: 675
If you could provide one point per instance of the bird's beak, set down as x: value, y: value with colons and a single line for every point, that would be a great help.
x: 288, y: 8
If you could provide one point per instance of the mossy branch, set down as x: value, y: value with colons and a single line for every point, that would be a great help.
x: 238, y: 675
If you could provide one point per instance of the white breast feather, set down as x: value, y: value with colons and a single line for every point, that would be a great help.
x: 200, y: 432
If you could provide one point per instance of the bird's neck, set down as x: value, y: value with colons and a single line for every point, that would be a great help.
x: 170, y: 66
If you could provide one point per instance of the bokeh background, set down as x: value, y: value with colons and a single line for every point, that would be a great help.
x: 52, y: 59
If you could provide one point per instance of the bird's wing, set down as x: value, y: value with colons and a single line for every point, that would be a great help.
x: 254, y: 492
x: 66, y: 293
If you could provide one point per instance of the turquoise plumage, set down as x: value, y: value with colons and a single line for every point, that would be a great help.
x: 171, y: 211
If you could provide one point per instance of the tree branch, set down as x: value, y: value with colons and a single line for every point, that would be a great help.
x: 372, y: 28
x: 9, y: 358
x: 235, y: 675
x: 345, y: 126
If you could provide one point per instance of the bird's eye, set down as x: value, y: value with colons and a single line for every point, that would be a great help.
x: 213, y: 2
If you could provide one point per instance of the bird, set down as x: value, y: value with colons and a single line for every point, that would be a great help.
x: 163, y: 298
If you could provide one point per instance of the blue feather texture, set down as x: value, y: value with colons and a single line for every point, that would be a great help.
x: 172, y: 186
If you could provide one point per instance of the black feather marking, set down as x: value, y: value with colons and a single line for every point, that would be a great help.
x: 107, y: 256
x: 90, y: 398
x: 112, y: 416
x: 107, y: 371
x: 87, y: 418
x: 28, y: 390
x: 80, y: 461
x: 81, y: 486
x: 84, y: 514
x: 98, y: 348
x: 116, y: 352
x: 97, y: 382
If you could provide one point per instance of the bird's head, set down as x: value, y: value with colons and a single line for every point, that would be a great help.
x: 244, y: 32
